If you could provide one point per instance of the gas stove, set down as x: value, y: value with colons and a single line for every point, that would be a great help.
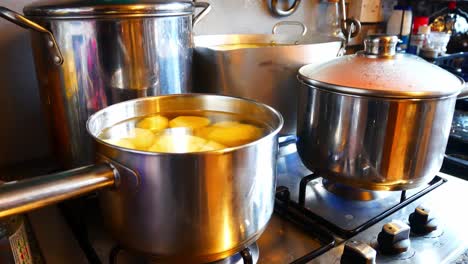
x: 315, y: 221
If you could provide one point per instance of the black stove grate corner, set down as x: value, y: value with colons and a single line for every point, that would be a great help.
x: 284, y: 209
x: 298, y: 212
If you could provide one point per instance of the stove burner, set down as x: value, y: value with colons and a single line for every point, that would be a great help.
x: 347, y: 217
x: 352, y: 193
x: 248, y: 255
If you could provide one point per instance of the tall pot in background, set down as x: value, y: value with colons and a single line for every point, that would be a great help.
x: 261, y: 67
x: 91, y: 54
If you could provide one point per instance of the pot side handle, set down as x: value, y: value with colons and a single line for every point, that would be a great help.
x: 206, y: 9
x: 22, y: 21
x: 22, y: 196
x: 277, y: 11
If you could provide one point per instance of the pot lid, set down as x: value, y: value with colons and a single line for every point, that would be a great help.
x: 379, y: 71
x: 94, y: 8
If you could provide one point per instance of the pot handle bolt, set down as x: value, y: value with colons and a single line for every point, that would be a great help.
x: 356, y: 252
x: 421, y: 222
x: 394, y: 238
x: 22, y: 21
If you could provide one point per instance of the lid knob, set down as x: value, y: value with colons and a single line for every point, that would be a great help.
x: 380, y: 45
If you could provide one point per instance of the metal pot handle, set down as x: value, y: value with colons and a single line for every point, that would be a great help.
x: 290, y: 23
x: 206, y: 9
x: 22, y: 21
x: 26, y: 195
x: 277, y: 11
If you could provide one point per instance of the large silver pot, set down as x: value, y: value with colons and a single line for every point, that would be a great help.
x: 375, y: 120
x: 91, y: 54
x: 261, y: 67
x: 185, y: 208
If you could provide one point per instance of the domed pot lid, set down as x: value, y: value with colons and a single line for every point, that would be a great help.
x: 379, y: 71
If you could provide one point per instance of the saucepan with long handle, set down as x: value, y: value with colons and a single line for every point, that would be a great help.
x: 151, y: 201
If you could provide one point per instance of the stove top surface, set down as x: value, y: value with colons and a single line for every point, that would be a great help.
x: 314, y: 225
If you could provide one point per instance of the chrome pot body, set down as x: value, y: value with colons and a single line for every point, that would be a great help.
x: 372, y: 143
x: 266, y: 73
x: 85, y: 62
x: 376, y: 120
x: 184, y: 208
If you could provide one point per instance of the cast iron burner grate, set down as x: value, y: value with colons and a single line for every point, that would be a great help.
x: 248, y: 255
x: 342, y: 216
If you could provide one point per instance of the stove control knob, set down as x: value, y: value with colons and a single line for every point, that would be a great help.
x: 421, y: 221
x: 356, y: 252
x: 394, y: 238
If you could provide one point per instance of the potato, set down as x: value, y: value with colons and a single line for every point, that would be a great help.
x: 177, y: 143
x: 141, y: 138
x: 230, y: 133
x: 211, y: 145
x: 154, y: 123
x: 122, y: 142
x: 192, y: 122
x: 226, y: 124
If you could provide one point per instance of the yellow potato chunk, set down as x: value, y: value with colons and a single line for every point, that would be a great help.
x: 177, y: 144
x: 211, y: 145
x: 230, y: 134
x: 141, y: 138
x: 192, y: 122
x: 226, y: 124
x: 154, y: 123
x: 122, y: 142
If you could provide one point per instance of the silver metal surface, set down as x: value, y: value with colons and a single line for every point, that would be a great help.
x: 222, y: 198
x: 380, y: 45
x: 349, y: 26
x: 284, y: 242
x: 344, y: 213
x: 223, y: 64
x: 372, y: 73
x: 26, y: 23
x: 278, y: 11
x: 440, y: 247
x: 281, y: 242
x: 66, y: 9
x: 27, y: 195
x: 206, y: 8
x: 107, y: 60
x: 289, y: 23
x: 372, y: 143
x: 351, y: 193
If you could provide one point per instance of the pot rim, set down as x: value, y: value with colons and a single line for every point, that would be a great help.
x: 271, y: 134
x: 77, y: 10
x: 266, y: 40
x: 355, y: 91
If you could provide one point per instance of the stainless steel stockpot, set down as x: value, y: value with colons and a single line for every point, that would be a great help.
x: 91, y: 54
x: 262, y: 67
x: 190, y: 208
x: 376, y: 120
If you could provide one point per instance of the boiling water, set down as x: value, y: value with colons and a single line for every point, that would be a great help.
x: 181, y: 132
